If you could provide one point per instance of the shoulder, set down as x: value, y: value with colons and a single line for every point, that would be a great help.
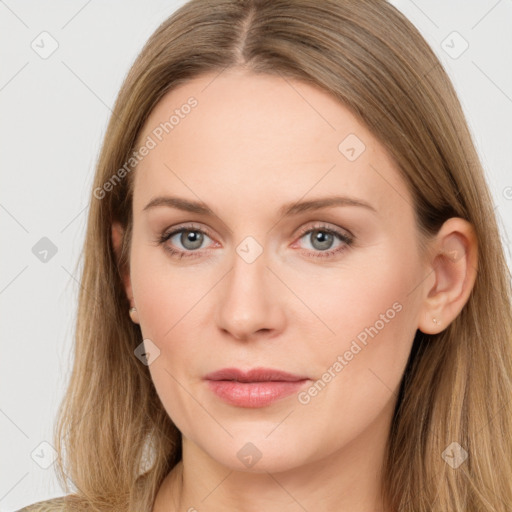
x: 53, y: 505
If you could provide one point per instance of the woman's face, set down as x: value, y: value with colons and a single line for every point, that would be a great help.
x: 304, y: 259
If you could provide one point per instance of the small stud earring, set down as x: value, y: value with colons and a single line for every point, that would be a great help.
x: 132, y: 312
x: 435, y: 320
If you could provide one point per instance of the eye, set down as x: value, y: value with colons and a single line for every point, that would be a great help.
x: 188, y: 239
x: 322, y: 238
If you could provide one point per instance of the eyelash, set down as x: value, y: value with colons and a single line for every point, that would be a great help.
x: 348, y: 240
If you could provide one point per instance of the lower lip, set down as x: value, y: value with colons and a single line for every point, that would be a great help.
x: 253, y: 394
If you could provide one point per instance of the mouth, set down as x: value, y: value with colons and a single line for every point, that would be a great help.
x: 257, y: 387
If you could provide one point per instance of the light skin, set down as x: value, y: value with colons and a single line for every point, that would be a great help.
x: 253, y: 144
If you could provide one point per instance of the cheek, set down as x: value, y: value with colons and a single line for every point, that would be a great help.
x: 165, y: 293
x: 359, y: 368
x: 370, y: 314
x: 168, y: 302
x: 339, y: 303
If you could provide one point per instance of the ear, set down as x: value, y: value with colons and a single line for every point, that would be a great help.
x: 117, y: 243
x: 453, y: 266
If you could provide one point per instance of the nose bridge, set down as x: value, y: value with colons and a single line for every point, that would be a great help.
x: 248, y: 302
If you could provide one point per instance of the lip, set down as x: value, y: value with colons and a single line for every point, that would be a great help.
x: 254, y: 375
x: 257, y: 387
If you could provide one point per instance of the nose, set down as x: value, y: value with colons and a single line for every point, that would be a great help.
x: 250, y: 300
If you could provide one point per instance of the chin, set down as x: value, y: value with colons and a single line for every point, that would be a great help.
x: 257, y: 456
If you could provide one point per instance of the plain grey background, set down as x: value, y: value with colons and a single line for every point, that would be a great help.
x: 54, y: 112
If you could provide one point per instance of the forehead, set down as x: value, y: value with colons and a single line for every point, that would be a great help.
x: 259, y: 137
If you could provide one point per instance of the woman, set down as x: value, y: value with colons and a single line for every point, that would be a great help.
x: 292, y: 277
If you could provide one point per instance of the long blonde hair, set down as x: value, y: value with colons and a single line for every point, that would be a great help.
x: 115, y: 441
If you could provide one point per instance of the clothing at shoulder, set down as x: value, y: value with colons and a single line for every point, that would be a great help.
x: 53, y: 505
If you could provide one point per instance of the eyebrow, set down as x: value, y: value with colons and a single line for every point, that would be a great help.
x: 286, y: 210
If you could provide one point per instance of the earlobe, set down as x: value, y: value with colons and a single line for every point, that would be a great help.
x: 117, y: 233
x: 454, y: 264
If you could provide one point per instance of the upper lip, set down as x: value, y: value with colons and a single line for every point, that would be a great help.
x: 253, y: 375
